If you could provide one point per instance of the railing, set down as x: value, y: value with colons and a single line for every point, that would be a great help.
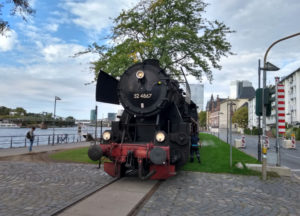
x: 21, y: 141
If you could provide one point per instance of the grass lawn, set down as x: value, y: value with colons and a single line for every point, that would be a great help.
x: 73, y: 155
x: 214, y: 155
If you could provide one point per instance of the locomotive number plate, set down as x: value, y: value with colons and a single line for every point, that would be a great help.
x: 142, y: 95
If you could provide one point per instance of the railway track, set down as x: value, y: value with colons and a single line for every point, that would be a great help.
x: 125, y: 196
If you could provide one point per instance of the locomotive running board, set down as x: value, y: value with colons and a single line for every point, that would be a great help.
x: 106, y: 89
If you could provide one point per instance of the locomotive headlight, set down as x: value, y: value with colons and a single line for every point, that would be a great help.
x: 160, y: 136
x: 140, y: 74
x: 106, y: 135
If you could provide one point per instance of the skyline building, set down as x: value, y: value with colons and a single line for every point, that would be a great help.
x: 197, y: 95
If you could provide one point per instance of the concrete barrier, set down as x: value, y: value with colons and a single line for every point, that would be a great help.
x: 240, y: 143
x: 282, y: 171
x: 288, y: 144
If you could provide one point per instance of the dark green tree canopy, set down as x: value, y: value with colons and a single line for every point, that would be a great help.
x: 202, y: 118
x: 172, y: 31
x: 241, y: 117
x: 21, y: 7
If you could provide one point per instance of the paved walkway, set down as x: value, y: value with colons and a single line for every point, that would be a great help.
x: 117, y: 199
x: 194, y: 194
x: 43, y: 188
x: 42, y: 148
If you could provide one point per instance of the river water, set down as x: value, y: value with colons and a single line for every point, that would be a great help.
x: 15, y: 137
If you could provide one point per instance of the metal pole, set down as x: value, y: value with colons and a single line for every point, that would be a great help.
x: 219, y: 125
x: 54, y: 120
x: 227, y: 124
x: 96, y: 110
x: 259, y: 138
x: 230, y: 134
x: 264, y: 159
x: 277, y: 134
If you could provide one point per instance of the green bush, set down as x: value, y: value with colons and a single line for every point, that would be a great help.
x: 297, y: 133
x: 247, y: 131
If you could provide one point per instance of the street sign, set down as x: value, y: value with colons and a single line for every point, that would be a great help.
x: 281, y: 108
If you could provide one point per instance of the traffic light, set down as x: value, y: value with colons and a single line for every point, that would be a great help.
x: 268, y: 99
x: 258, y: 105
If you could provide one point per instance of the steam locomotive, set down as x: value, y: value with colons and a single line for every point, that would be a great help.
x: 152, y: 137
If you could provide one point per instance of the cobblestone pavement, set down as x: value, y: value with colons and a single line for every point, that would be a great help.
x: 43, y: 188
x: 196, y: 194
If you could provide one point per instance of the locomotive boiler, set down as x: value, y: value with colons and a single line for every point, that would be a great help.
x: 152, y: 137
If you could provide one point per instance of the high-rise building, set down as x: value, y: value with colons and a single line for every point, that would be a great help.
x: 197, y: 95
x: 241, y: 89
x: 111, y: 116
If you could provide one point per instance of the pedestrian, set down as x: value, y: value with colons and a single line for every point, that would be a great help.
x: 195, y: 147
x: 30, y: 136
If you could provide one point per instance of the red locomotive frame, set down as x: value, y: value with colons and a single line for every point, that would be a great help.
x: 119, y: 153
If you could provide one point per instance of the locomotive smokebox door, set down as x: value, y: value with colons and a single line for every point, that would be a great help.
x: 143, y: 89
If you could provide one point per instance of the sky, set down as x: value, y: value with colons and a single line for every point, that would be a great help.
x: 37, y: 63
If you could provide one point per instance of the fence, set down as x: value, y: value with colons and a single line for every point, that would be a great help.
x: 21, y: 141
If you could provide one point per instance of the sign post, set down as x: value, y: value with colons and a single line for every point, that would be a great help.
x: 280, y: 116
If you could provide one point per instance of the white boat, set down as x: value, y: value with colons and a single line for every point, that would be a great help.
x: 8, y: 125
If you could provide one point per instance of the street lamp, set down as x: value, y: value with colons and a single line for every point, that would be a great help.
x: 55, y: 99
x: 269, y: 67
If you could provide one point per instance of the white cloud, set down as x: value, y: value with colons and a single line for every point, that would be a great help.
x: 95, y: 15
x: 53, y: 27
x: 8, y: 41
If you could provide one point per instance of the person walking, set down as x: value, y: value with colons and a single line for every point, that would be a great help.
x: 30, y: 136
x: 195, y: 147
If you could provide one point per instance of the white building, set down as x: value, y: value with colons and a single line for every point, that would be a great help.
x: 292, y: 97
x: 252, y: 117
x: 197, y: 95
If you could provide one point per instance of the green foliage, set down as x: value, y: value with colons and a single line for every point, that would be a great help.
x: 202, y: 118
x: 20, y: 7
x: 20, y: 111
x: 240, y: 117
x: 172, y: 31
x: 214, y: 155
x: 254, y: 131
x: 4, y: 110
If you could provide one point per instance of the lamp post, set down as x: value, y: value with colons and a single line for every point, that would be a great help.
x: 268, y: 67
x: 55, y: 99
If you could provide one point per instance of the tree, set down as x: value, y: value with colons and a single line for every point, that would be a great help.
x: 4, y: 110
x: 172, y: 31
x: 20, y: 111
x: 20, y: 7
x: 202, y: 118
x: 240, y: 117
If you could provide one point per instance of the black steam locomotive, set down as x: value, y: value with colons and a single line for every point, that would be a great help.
x: 152, y: 137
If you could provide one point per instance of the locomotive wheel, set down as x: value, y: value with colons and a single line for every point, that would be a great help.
x: 184, y: 156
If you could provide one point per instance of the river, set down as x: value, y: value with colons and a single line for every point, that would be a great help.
x: 16, y: 136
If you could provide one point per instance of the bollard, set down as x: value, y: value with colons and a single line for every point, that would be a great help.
x: 264, y: 163
x: 49, y: 140
x: 37, y: 142
x: 293, y: 141
x: 243, y: 142
x: 11, y: 142
x: 25, y: 143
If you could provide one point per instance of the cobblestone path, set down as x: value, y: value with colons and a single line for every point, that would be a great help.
x: 43, y: 188
x: 194, y: 194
